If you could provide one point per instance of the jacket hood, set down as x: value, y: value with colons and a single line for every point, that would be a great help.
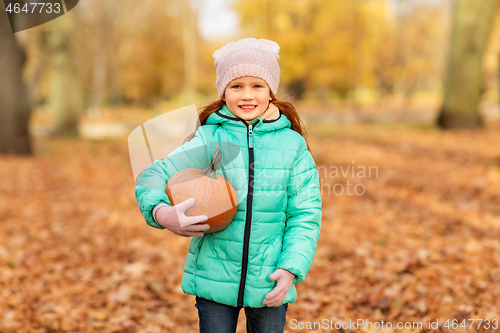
x: 225, y: 118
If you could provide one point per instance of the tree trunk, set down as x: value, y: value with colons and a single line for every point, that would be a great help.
x: 462, y: 90
x: 14, y: 105
x: 65, y: 97
x: 103, y: 44
x: 98, y: 76
x: 41, y: 63
x: 189, y: 41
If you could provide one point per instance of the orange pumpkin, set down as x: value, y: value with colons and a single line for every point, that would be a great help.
x: 214, y: 195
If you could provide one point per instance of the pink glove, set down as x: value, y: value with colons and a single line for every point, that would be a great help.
x: 278, y: 294
x: 174, y: 219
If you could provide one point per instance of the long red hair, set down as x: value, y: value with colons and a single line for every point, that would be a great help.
x: 285, y: 107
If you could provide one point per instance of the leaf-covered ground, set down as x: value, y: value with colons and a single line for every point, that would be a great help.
x: 420, y: 243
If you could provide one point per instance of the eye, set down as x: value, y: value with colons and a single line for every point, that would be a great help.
x: 258, y: 86
x: 236, y: 86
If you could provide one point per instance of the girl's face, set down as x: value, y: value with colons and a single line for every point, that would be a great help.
x: 247, y: 97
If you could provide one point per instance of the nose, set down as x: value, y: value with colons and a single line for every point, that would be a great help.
x: 247, y: 94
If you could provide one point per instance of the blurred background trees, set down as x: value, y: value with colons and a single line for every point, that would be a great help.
x: 341, y: 48
x: 335, y: 55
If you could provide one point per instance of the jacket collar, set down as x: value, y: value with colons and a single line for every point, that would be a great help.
x: 225, y: 118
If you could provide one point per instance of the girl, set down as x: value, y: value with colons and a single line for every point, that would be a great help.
x: 268, y: 247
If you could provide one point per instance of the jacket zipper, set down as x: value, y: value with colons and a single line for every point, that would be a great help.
x: 248, y: 221
x: 250, y: 137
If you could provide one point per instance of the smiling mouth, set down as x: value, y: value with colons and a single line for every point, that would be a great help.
x: 247, y: 107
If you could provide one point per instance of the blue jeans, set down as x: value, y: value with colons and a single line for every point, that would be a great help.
x: 220, y: 318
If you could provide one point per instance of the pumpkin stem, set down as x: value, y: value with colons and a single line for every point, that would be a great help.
x: 212, y: 166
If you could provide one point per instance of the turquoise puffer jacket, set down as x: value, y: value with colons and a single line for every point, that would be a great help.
x: 278, y: 221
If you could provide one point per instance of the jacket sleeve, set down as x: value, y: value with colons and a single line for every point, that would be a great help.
x: 150, y: 185
x: 303, y: 216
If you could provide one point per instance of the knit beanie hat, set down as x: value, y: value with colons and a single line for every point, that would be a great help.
x: 248, y: 57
